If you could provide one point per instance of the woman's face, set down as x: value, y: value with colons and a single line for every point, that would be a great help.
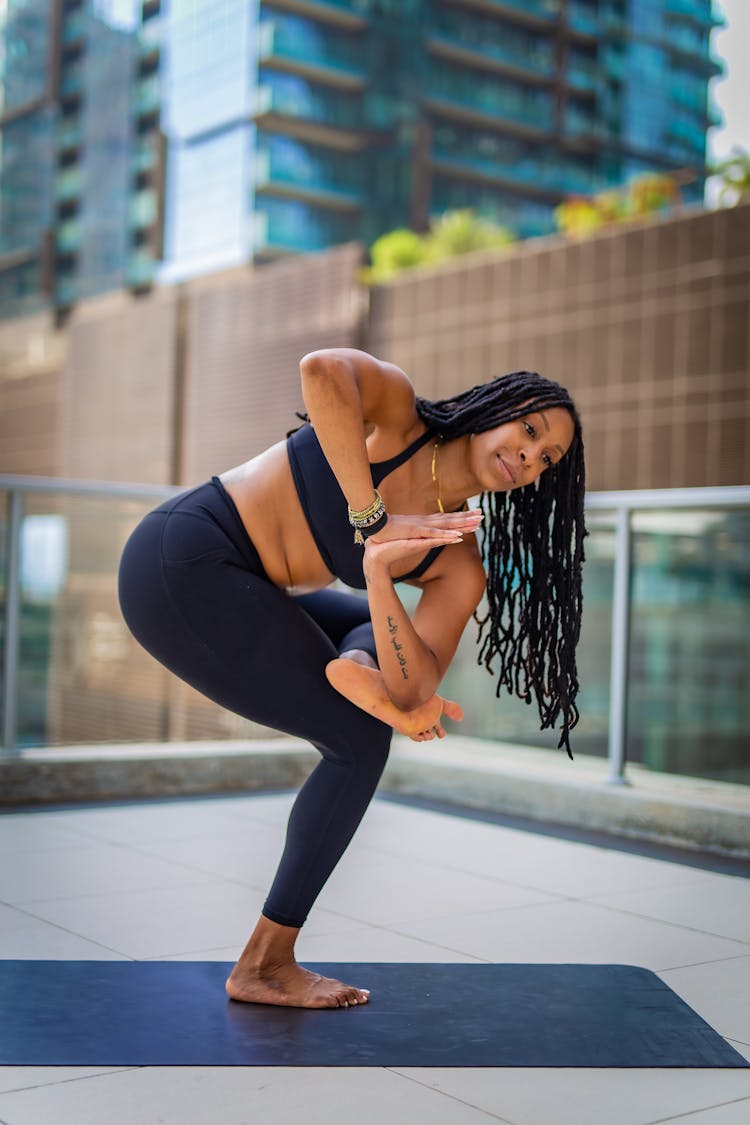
x: 516, y: 453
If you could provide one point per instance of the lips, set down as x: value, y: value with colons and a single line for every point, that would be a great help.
x: 506, y: 470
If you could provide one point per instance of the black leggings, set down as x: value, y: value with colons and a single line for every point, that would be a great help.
x: 194, y: 593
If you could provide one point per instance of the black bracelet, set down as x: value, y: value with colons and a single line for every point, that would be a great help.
x: 379, y: 524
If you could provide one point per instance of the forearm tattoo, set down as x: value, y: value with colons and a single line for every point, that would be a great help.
x: 393, y: 630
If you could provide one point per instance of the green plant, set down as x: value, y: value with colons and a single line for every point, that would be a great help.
x: 452, y: 233
x: 580, y: 216
x: 734, y: 176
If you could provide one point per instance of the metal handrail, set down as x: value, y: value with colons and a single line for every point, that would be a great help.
x: 623, y: 504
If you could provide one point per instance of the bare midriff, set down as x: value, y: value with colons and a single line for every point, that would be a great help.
x: 266, y: 498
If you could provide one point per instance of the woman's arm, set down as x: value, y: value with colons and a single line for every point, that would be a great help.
x: 413, y: 656
x: 345, y: 389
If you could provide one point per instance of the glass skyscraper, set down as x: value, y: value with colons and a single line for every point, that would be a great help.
x: 165, y: 139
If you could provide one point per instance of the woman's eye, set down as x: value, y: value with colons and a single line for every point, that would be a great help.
x: 529, y: 429
x: 547, y: 460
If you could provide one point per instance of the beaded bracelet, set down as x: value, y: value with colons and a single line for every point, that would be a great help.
x: 369, y: 519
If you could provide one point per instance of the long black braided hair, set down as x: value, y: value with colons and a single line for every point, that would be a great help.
x: 532, y: 546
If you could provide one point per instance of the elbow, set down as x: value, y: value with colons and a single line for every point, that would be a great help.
x: 407, y: 697
x: 322, y: 362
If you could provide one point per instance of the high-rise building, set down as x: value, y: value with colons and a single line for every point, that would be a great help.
x: 81, y: 154
x: 200, y: 134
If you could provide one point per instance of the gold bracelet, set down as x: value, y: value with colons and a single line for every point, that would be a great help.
x: 367, y: 513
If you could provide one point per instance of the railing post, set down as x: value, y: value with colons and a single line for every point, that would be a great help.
x: 618, y: 683
x: 11, y: 641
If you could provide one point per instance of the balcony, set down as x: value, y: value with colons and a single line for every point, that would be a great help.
x: 68, y: 184
x: 277, y: 234
x: 149, y: 39
x: 487, y: 105
x: 145, y: 155
x: 141, y: 270
x: 337, y: 13
x: 68, y: 236
x: 689, y: 137
x: 283, y: 47
x: 696, y: 103
x: 583, y: 78
x: 310, y: 114
x: 583, y: 127
x: 69, y: 134
x: 491, y: 55
x: 583, y: 19
x: 699, y: 13
x: 73, y: 28
x: 534, y: 13
x: 545, y: 180
x: 148, y: 97
x: 144, y: 209
x: 71, y: 80
x: 276, y: 175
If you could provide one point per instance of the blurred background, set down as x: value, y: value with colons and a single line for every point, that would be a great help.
x: 194, y: 193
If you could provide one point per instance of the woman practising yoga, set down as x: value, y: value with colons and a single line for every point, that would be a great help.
x: 224, y: 585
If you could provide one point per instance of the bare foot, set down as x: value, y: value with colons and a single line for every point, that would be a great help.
x: 292, y: 986
x: 365, y: 687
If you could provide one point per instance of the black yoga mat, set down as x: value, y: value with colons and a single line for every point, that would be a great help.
x: 176, y: 1013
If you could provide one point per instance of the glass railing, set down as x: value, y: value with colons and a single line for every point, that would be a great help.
x: 293, y: 224
x: 542, y: 9
x: 68, y: 235
x: 664, y: 656
x: 489, y: 100
x: 663, y: 661
x: 687, y: 135
x: 583, y: 18
x: 297, y: 98
x: 74, y: 26
x: 289, y: 167
x: 141, y: 268
x: 71, y: 81
x: 701, y: 12
x: 69, y: 134
x: 289, y: 41
x: 69, y: 183
x: 528, y: 172
x: 144, y: 208
x: 540, y: 61
x: 148, y: 95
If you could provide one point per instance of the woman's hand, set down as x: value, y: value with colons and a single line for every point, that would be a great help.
x: 433, y: 527
x: 404, y: 537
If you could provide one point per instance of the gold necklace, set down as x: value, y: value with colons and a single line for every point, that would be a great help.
x: 436, y: 474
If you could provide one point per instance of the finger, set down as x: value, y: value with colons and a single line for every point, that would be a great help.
x: 439, y: 731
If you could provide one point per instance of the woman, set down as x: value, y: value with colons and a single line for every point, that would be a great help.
x: 224, y: 585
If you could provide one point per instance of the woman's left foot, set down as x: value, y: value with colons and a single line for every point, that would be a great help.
x: 366, y: 689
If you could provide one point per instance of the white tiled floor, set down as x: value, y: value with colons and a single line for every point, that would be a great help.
x: 186, y: 880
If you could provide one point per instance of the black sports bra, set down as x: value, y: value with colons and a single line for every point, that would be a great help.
x: 324, y: 504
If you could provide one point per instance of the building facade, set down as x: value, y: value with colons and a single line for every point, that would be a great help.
x: 167, y: 138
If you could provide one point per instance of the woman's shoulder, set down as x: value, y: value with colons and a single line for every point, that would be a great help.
x: 386, y: 391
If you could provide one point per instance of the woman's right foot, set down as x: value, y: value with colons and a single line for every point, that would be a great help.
x: 291, y: 986
x: 365, y: 688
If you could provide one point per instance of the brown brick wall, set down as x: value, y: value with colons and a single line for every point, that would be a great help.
x: 118, y: 389
x: 246, y: 331
x: 646, y: 325
x: 31, y: 354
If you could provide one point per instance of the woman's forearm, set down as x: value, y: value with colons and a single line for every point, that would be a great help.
x: 408, y: 666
